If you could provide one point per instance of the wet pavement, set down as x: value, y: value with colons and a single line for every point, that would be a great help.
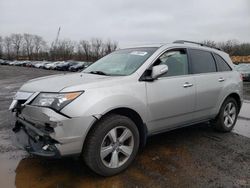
x: 243, y: 124
x: 195, y: 156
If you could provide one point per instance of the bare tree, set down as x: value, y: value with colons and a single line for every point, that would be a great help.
x: 110, y: 47
x: 243, y: 49
x: 39, y: 45
x: 64, y: 50
x: 67, y: 48
x: 34, y: 47
x: 8, y: 47
x: 210, y: 43
x: 85, y: 48
x: 96, y: 45
x: 17, y: 40
x: 95, y: 49
x: 229, y: 46
x: 28, y: 44
x: 1, y: 47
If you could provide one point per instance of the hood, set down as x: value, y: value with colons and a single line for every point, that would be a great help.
x: 59, y: 82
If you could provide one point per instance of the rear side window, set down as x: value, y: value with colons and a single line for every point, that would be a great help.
x: 221, y: 64
x: 202, y: 61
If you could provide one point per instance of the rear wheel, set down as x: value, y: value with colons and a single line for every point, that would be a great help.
x: 112, y: 145
x: 226, y: 119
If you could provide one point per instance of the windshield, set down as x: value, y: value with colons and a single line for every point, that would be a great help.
x: 121, y: 62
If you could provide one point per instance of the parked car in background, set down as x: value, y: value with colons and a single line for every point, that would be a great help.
x: 105, y: 113
x: 24, y: 63
x: 39, y: 64
x: 30, y: 63
x: 17, y: 63
x: 78, y: 67
x: 3, y: 62
x: 13, y: 63
x: 43, y: 64
x: 51, y: 65
x: 62, y: 66
x: 72, y: 63
x: 7, y: 62
x: 244, y: 69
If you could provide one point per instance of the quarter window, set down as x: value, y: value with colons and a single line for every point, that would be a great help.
x: 176, y: 60
x: 221, y: 64
x: 202, y: 61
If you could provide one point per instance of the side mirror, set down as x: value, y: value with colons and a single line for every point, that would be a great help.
x: 158, y: 70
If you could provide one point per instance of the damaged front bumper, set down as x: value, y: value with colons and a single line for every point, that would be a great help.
x: 34, y: 141
x: 45, y: 132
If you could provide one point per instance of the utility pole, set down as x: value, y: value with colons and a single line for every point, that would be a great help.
x: 57, y: 36
x: 54, y: 43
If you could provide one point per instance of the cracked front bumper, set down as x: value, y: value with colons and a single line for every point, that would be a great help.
x: 44, y: 132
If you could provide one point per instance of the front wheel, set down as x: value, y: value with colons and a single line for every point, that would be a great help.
x: 112, y: 145
x: 226, y: 119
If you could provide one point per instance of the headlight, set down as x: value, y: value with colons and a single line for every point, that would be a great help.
x: 55, y: 100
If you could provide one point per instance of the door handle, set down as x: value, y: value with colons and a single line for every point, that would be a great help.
x: 221, y: 79
x: 187, y: 84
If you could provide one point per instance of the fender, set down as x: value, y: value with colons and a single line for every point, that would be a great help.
x: 94, y: 102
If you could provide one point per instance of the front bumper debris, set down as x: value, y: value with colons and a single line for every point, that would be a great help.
x: 44, y: 132
x: 34, y: 140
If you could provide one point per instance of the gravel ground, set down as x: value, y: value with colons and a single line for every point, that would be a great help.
x: 195, y: 156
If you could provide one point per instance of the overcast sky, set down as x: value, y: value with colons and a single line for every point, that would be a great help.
x: 128, y: 21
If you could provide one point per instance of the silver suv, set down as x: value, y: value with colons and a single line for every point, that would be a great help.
x: 105, y: 113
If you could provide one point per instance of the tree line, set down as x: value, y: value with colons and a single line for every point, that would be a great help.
x: 34, y: 47
x: 232, y: 47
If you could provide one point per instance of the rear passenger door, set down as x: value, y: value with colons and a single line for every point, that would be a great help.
x: 226, y: 77
x: 208, y: 82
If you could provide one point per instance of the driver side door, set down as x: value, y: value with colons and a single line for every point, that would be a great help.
x: 171, y: 98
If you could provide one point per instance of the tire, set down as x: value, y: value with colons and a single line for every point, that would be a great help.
x: 222, y: 122
x: 102, y: 137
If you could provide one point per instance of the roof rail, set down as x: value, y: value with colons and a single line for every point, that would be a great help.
x: 191, y: 42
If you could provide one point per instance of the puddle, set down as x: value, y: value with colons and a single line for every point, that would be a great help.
x: 9, y: 162
x: 7, y: 173
x: 242, y: 126
x: 67, y: 172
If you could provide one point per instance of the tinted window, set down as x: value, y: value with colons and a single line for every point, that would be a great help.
x: 202, y: 61
x: 176, y: 60
x: 221, y: 64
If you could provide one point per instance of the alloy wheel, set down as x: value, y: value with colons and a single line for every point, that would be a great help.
x: 117, y: 147
x: 229, y: 114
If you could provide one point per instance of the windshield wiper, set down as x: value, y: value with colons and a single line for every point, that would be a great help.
x: 98, y: 72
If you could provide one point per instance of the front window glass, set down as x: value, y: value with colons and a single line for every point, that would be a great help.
x: 121, y: 62
x: 176, y: 60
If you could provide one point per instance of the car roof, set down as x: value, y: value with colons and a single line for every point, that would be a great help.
x: 180, y: 44
x: 158, y: 45
x: 154, y: 45
x: 186, y: 44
